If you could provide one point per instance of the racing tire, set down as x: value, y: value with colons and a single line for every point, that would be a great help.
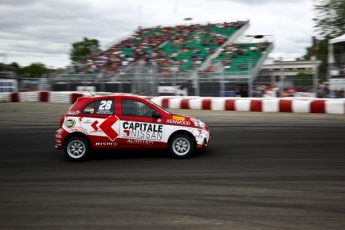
x: 77, y: 149
x: 181, y: 146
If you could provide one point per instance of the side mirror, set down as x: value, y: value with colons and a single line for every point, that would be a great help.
x: 156, y: 114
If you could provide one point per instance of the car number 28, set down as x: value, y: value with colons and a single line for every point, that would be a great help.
x: 105, y: 105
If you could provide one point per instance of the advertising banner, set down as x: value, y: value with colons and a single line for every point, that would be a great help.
x: 8, y: 85
x: 177, y: 91
x: 337, y: 84
x: 86, y: 88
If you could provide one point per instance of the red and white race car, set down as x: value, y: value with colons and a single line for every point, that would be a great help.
x: 127, y: 122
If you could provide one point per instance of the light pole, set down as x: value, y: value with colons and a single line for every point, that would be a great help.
x: 4, y: 56
x: 281, y: 77
x: 222, y: 80
x: 250, y: 78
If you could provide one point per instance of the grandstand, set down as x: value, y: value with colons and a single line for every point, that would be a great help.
x: 181, y: 50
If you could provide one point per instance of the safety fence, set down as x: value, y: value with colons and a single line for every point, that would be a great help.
x: 288, y: 105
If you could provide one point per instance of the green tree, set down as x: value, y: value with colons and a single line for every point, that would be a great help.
x: 303, y: 79
x: 330, y: 17
x: 82, y: 49
x: 15, y: 65
x: 322, y: 55
x: 35, y: 70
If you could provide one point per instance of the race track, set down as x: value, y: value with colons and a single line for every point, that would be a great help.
x: 262, y: 171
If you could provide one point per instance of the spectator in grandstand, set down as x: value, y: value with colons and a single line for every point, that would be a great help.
x: 145, y: 44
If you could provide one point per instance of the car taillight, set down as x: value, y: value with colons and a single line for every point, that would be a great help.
x: 62, y: 121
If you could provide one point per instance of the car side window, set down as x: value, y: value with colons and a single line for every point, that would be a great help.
x: 135, y: 108
x: 100, y: 107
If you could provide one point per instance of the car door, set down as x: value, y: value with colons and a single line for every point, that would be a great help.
x: 138, y: 128
x: 100, y: 123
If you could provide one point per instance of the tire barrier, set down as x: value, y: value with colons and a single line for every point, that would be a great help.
x: 52, y: 97
x: 285, y: 105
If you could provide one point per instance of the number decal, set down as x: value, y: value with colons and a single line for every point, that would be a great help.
x: 105, y: 105
x: 101, y: 107
x: 108, y: 105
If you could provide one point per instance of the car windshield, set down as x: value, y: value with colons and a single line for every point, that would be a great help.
x: 159, y: 107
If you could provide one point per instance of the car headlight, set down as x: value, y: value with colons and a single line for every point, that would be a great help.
x: 198, y: 122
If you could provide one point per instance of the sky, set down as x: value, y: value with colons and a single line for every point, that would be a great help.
x: 43, y: 30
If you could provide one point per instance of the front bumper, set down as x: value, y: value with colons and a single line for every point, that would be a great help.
x: 203, y: 140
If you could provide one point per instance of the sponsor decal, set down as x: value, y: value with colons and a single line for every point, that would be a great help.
x: 178, y: 122
x: 77, y: 129
x: 58, y: 135
x: 73, y: 112
x: 145, y: 131
x: 70, y: 123
x: 58, y: 141
x: 89, y: 110
x: 178, y: 118
x: 106, y: 143
x: 107, y: 128
x: 139, y: 142
x: 106, y: 112
x: 94, y: 125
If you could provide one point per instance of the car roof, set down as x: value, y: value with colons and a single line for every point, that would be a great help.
x: 100, y: 97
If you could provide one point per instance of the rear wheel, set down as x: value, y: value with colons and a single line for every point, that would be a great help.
x: 77, y: 149
x: 181, y: 146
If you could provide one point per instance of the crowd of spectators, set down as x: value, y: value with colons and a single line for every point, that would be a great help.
x: 238, y: 54
x: 167, y: 48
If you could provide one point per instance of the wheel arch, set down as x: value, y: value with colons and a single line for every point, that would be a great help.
x: 185, y: 132
x: 77, y: 134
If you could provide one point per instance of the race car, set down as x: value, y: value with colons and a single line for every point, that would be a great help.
x: 127, y: 122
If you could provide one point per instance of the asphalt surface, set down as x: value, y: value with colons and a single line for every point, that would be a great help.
x: 262, y: 171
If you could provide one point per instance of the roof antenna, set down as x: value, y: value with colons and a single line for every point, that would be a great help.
x: 91, y: 93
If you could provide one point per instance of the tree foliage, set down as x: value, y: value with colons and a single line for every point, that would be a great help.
x: 303, y: 79
x: 322, y: 55
x: 35, y: 70
x: 330, y: 17
x: 15, y: 65
x: 82, y: 49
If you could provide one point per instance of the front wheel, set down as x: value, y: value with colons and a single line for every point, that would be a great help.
x: 181, y: 146
x: 77, y: 149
